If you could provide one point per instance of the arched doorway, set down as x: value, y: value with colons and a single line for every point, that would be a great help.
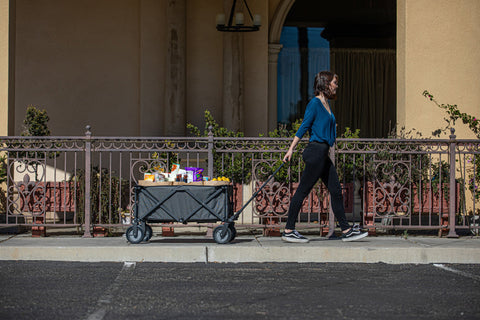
x: 362, y: 39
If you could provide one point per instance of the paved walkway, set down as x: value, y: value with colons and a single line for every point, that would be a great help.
x: 246, y: 248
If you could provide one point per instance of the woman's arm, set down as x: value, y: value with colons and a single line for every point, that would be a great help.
x: 289, y: 153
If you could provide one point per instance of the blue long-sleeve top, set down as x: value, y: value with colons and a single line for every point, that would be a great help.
x: 320, y: 123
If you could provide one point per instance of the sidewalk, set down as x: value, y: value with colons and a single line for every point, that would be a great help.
x: 245, y: 248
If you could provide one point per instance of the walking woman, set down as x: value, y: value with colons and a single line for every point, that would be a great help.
x: 319, y: 121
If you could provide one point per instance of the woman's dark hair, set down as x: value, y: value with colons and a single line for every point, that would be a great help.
x: 322, y: 83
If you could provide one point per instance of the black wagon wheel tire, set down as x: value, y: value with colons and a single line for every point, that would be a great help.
x: 148, y: 233
x: 234, y: 232
x: 131, y: 235
x: 217, y: 235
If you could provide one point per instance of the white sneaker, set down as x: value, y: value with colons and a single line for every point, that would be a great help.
x: 353, y: 235
x: 294, y: 236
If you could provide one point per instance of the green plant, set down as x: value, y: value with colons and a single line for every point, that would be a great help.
x: 237, y: 168
x: 35, y: 125
x: 3, y: 179
x: 397, y: 159
x: 3, y: 168
x: 166, y: 158
x: 474, y: 175
x: 109, y: 195
x: 383, y: 165
x: 35, y: 122
x: 291, y: 172
x: 350, y: 166
x: 473, y: 123
x: 440, y: 179
x: 217, y: 130
x: 455, y: 114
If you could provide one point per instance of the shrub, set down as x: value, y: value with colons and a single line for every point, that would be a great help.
x: 473, y: 122
x: 239, y: 168
x: 35, y: 125
x: 103, y: 185
x: 3, y: 179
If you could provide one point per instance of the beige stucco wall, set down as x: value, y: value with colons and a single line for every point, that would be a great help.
x: 4, y: 9
x: 103, y: 63
x: 205, y: 66
x: 80, y: 60
x: 256, y: 75
x: 437, y: 50
x: 204, y: 56
x: 92, y: 62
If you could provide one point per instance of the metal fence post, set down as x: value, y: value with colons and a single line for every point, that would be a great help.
x: 88, y: 173
x: 210, y: 153
x: 331, y: 215
x: 453, y: 186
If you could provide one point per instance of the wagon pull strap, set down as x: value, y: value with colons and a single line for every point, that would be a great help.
x: 256, y: 192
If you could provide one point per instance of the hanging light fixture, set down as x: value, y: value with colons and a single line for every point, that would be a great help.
x: 239, y: 25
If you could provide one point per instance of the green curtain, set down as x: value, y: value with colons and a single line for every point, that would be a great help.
x: 366, y: 98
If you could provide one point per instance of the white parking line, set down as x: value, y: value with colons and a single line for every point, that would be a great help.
x: 462, y: 273
x: 105, y: 300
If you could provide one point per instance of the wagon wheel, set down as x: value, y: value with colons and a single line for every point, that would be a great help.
x: 234, y: 231
x: 148, y: 233
x: 217, y: 235
x: 132, y: 238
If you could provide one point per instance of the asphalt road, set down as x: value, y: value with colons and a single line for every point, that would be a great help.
x: 74, y: 290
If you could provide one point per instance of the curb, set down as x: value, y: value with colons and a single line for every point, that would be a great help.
x: 248, y: 249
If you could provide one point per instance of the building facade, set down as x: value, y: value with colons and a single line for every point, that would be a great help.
x: 147, y: 67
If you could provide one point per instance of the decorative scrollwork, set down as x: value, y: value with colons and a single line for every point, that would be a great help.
x: 392, y: 197
x: 29, y: 197
x: 273, y: 199
x: 140, y: 166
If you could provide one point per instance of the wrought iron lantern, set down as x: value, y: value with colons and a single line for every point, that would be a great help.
x: 239, y: 24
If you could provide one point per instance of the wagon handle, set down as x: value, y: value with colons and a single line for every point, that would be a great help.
x: 235, y: 216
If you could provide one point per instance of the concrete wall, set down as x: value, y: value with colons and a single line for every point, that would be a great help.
x: 437, y: 50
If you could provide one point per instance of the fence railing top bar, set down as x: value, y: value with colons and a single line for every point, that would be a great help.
x: 392, y: 140
x: 273, y: 139
x: 39, y: 138
x: 149, y: 138
x: 107, y: 138
x: 351, y: 140
x: 253, y: 138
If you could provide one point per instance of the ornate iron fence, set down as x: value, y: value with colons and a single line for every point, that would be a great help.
x: 388, y: 183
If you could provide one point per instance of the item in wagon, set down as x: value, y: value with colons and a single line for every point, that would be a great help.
x: 197, y: 173
x: 149, y: 177
x: 159, y: 177
x: 170, y: 177
x: 189, y: 176
x: 221, y: 179
x: 175, y: 168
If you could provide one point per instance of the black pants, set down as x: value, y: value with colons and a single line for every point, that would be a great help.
x: 318, y: 165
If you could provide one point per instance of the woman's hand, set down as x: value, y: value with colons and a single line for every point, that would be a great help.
x: 288, y: 155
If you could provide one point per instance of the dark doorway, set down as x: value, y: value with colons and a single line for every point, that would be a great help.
x: 357, y: 39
